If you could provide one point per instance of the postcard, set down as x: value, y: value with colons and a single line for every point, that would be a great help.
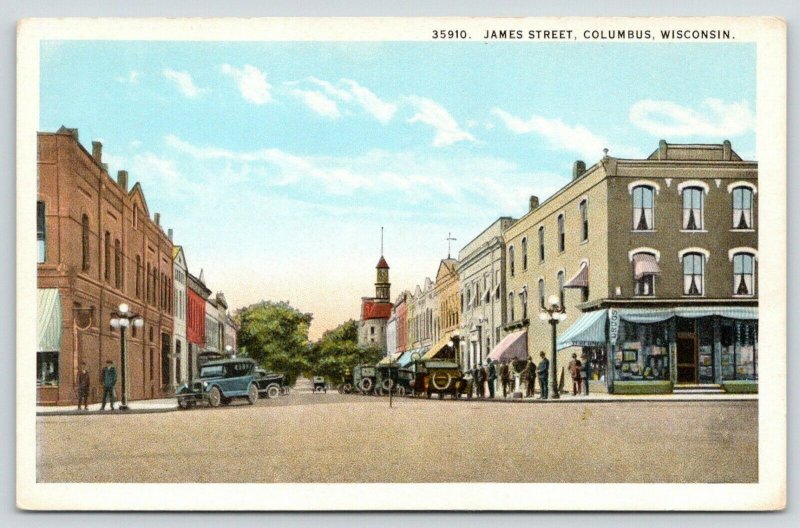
x: 401, y: 264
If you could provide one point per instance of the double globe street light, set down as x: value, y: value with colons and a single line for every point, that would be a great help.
x: 554, y: 315
x: 121, y: 319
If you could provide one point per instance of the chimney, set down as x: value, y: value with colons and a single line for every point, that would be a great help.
x: 122, y: 179
x: 169, y: 234
x: 662, y: 149
x: 578, y: 168
x: 97, y: 151
x: 157, y: 219
x: 726, y: 150
x: 533, y: 202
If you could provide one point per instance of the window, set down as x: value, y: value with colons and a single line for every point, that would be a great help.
x: 693, y: 209
x: 469, y: 298
x: 644, y: 286
x: 135, y: 216
x: 524, y: 249
x: 138, y: 276
x: 742, y: 208
x: 497, y: 286
x: 511, y: 307
x: 743, y: 272
x: 477, y: 294
x: 523, y: 297
x: 41, y: 232
x: 107, y: 256
x: 560, y: 278
x: 541, y: 293
x: 584, y: 209
x: 541, y: 244
x: 148, y: 278
x: 693, y: 274
x: 117, y: 264
x: 643, y: 208
x: 85, y: 243
x: 47, y: 368
x: 739, y: 349
x: 561, y: 236
x: 511, y: 260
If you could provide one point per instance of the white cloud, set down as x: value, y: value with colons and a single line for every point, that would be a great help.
x: 562, y: 136
x: 331, y: 89
x: 432, y: 113
x: 714, y: 118
x: 183, y: 80
x: 252, y: 83
x: 318, y: 102
x: 379, y: 109
x: 131, y: 78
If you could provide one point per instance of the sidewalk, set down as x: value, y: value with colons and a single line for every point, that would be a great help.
x: 134, y: 407
x: 603, y: 397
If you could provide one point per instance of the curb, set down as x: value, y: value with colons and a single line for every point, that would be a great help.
x: 106, y: 413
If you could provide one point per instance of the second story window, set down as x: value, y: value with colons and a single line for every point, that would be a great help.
x: 107, y: 256
x: 693, y: 209
x: 117, y: 264
x: 645, y: 269
x: 743, y: 273
x: 584, y: 210
x: 541, y: 244
x: 511, y: 317
x: 523, y: 297
x: 511, y: 260
x: 561, y: 235
x: 742, y: 208
x: 85, y: 243
x: 643, y: 198
x: 693, y: 274
x: 560, y: 278
x: 524, y: 249
x: 138, y: 277
x: 541, y: 293
x: 41, y: 232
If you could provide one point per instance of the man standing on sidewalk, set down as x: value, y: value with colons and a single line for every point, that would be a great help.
x: 530, y: 378
x: 83, y: 387
x: 585, y: 373
x: 109, y: 379
x: 505, y: 378
x: 542, y: 370
x: 492, y: 376
x: 575, y: 368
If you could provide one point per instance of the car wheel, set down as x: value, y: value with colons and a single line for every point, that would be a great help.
x: 183, y: 404
x: 401, y: 391
x: 428, y: 394
x: 273, y: 391
x: 214, y: 397
x: 441, y: 395
x: 226, y: 401
x: 252, y: 394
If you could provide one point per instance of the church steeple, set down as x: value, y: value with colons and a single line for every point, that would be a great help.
x: 382, y: 284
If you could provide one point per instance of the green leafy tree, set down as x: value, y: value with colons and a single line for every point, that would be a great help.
x: 337, y: 352
x: 275, y: 335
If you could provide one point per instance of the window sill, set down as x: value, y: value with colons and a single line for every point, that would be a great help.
x: 693, y: 296
x: 643, y: 230
x: 748, y: 296
x: 583, y: 242
x: 694, y: 231
x: 644, y: 296
x: 743, y: 230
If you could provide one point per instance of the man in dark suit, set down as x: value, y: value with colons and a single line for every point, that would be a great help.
x: 505, y: 378
x: 491, y: 376
x: 542, y: 371
x: 109, y: 379
x: 83, y: 387
x: 530, y: 378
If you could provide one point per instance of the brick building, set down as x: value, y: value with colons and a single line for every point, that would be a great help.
x: 98, y: 248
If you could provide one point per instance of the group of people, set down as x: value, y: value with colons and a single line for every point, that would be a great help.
x: 108, y: 379
x: 485, y: 376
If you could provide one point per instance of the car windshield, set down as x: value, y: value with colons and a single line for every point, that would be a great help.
x: 211, y: 371
x: 234, y: 370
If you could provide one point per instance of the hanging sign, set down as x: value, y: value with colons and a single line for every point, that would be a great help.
x: 613, y: 325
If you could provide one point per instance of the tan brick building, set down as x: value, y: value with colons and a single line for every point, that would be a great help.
x: 98, y: 247
x: 655, y: 262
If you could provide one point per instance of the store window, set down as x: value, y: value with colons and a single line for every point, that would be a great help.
x: 693, y: 209
x: 705, y: 350
x: 47, y: 368
x: 743, y: 273
x: 742, y: 208
x: 642, y: 352
x: 739, y: 349
x: 693, y: 274
x: 643, y: 207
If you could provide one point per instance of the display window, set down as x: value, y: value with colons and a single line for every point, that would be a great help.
x: 739, y: 349
x: 642, y: 352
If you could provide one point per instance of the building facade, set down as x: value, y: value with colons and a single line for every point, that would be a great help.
x: 655, y: 261
x: 98, y: 248
x: 180, y: 348
x: 376, y: 311
x: 197, y: 298
x: 401, y: 315
x: 231, y: 335
x: 481, y: 275
x: 421, y: 313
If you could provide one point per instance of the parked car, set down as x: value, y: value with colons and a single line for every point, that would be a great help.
x: 270, y: 384
x: 391, y: 376
x: 440, y: 377
x: 319, y: 384
x: 220, y: 382
x: 364, y: 378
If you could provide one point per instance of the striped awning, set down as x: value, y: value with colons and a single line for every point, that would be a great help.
x: 388, y: 360
x: 656, y: 315
x: 645, y: 264
x: 48, y: 319
x: 513, y: 346
x: 405, y: 359
x: 589, y: 330
x: 581, y: 279
x: 438, y: 347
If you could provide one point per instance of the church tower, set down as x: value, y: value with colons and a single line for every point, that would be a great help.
x: 382, y: 284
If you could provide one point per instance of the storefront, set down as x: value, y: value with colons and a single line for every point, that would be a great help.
x: 657, y: 349
x: 48, y: 333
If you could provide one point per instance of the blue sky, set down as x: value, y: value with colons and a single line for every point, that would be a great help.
x: 276, y: 163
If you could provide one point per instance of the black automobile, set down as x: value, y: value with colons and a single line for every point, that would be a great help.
x: 270, y: 384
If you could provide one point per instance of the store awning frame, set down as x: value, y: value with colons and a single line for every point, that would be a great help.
x: 588, y: 330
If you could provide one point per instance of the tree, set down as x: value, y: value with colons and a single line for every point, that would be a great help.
x: 337, y: 352
x: 275, y: 335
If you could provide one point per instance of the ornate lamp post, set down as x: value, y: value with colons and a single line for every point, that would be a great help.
x: 122, y: 319
x: 553, y: 315
x: 229, y: 350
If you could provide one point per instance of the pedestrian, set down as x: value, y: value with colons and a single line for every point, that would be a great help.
x: 575, y: 368
x: 481, y: 382
x: 530, y: 378
x: 505, y: 378
x: 83, y: 387
x: 476, y: 380
x: 491, y: 376
x: 108, y: 377
x: 585, y: 373
x: 542, y: 371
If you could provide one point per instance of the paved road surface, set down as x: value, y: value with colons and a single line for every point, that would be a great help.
x: 347, y: 438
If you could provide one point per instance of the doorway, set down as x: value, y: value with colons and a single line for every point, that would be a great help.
x: 686, y: 358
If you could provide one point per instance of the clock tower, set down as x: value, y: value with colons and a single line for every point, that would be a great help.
x: 382, y: 284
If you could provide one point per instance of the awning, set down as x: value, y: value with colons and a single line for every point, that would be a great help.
x: 513, y: 346
x: 438, y: 347
x: 390, y: 359
x: 48, y: 319
x: 645, y: 264
x: 589, y: 330
x: 656, y: 315
x: 405, y: 359
x: 581, y: 279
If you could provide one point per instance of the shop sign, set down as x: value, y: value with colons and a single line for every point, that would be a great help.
x: 613, y: 325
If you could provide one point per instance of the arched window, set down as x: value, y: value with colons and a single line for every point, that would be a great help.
x: 511, y: 260
x: 742, y: 208
x: 524, y: 249
x: 117, y: 264
x: 541, y: 293
x: 560, y: 278
x: 107, y: 256
x: 561, y: 235
x: 138, y: 277
x: 743, y: 274
x: 693, y: 274
x: 148, y: 280
x: 541, y: 244
x: 523, y: 297
x: 584, y: 210
x: 643, y: 206
x: 511, y: 307
x: 85, y: 243
x: 645, y: 269
x: 693, y: 209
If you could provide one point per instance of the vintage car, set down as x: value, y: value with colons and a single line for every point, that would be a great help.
x: 364, y: 378
x: 387, y: 377
x: 270, y: 384
x: 440, y: 377
x: 319, y: 384
x: 220, y: 382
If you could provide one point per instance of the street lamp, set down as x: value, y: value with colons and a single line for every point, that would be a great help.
x: 122, y: 319
x: 229, y: 349
x: 554, y: 315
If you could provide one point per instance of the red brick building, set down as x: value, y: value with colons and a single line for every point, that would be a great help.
x: 196, y: 320
x: 98, y: 247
